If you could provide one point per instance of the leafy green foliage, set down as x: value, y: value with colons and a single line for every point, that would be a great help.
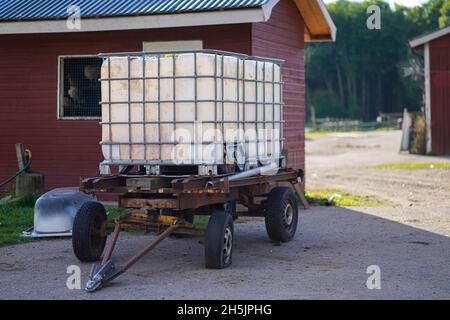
x: 444, y: 19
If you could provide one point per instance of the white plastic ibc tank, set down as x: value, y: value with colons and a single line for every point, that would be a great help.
x: 189, y: 107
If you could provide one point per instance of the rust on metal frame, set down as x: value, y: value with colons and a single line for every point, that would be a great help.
x: 146, y: 222
x: 118, y: 183
x: 112, y: 245
x: 105, y: 184
x: 187, y: 192
x: 148, y: 203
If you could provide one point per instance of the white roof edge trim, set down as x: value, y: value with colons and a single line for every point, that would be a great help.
x: 328, y: 18
x: 429, y: 37
x: 142, y: 22
x: 267, y: 8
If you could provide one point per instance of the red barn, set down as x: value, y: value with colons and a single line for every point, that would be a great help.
x: 436, y: 46
x: 45, y: 49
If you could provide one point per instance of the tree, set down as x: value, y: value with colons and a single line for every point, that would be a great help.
x: 427, y: 16
x: 369, y: 71
x: 444, y: 19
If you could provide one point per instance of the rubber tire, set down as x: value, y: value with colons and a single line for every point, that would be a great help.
x: 274, y: 208
x: 88, y: 216
x: 214, y: 240
x: 231, y: 208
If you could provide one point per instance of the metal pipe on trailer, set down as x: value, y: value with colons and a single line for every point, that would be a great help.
x: 269, y: 169
x: 107, y: 271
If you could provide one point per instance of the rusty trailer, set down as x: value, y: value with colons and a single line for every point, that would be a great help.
x: 218, y: 145
x: 167, y: 205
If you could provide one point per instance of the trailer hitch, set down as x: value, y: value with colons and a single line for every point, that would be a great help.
x: 101, y: 274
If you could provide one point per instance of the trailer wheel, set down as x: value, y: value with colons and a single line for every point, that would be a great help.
x: 219, y: 240
x: 281, y: 214
x: 89, y: 232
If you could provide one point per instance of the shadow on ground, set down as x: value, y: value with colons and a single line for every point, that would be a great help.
x: 327, y: 259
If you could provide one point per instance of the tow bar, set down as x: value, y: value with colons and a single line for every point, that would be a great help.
x: 107, y: 271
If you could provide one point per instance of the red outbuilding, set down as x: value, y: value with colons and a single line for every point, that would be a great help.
x: 49, y: 90
x: 436, y: 48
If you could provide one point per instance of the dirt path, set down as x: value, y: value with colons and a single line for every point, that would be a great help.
x: 335, y: 161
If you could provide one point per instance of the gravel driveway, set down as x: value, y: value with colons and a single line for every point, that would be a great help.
x: 408, y: 240
x: 327, y: 259
x: 338, y: 160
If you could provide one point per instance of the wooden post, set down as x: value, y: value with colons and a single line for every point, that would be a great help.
x: 313, y: 118
x: 406, y: 129
x: 21, y: 156
x: 28, y: 183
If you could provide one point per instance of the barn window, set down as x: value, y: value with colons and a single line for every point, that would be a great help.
x: 79, y: 88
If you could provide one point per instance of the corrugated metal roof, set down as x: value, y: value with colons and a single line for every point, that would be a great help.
x: 13, y: 10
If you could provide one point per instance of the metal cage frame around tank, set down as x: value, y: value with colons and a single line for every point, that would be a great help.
x: 218, y: 54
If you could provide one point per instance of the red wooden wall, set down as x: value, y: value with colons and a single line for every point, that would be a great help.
x: 67, y: 149
x: 283, y: 37
x: 440, y: 94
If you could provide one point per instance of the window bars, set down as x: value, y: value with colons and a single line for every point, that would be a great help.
x: 79, y: 89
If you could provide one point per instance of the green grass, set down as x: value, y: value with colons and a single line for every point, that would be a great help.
x: 114, y: 212
x: 321, y: 196
x: 412, y: 165
x: 18, y: 214
x: 15, y: 217
x: 201, y: 222
x: 318, y: 133
x: 321, y: 132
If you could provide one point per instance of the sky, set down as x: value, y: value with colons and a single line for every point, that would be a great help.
x: 409, y: 3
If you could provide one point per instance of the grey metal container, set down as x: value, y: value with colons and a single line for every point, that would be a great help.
x: 55, y: 211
